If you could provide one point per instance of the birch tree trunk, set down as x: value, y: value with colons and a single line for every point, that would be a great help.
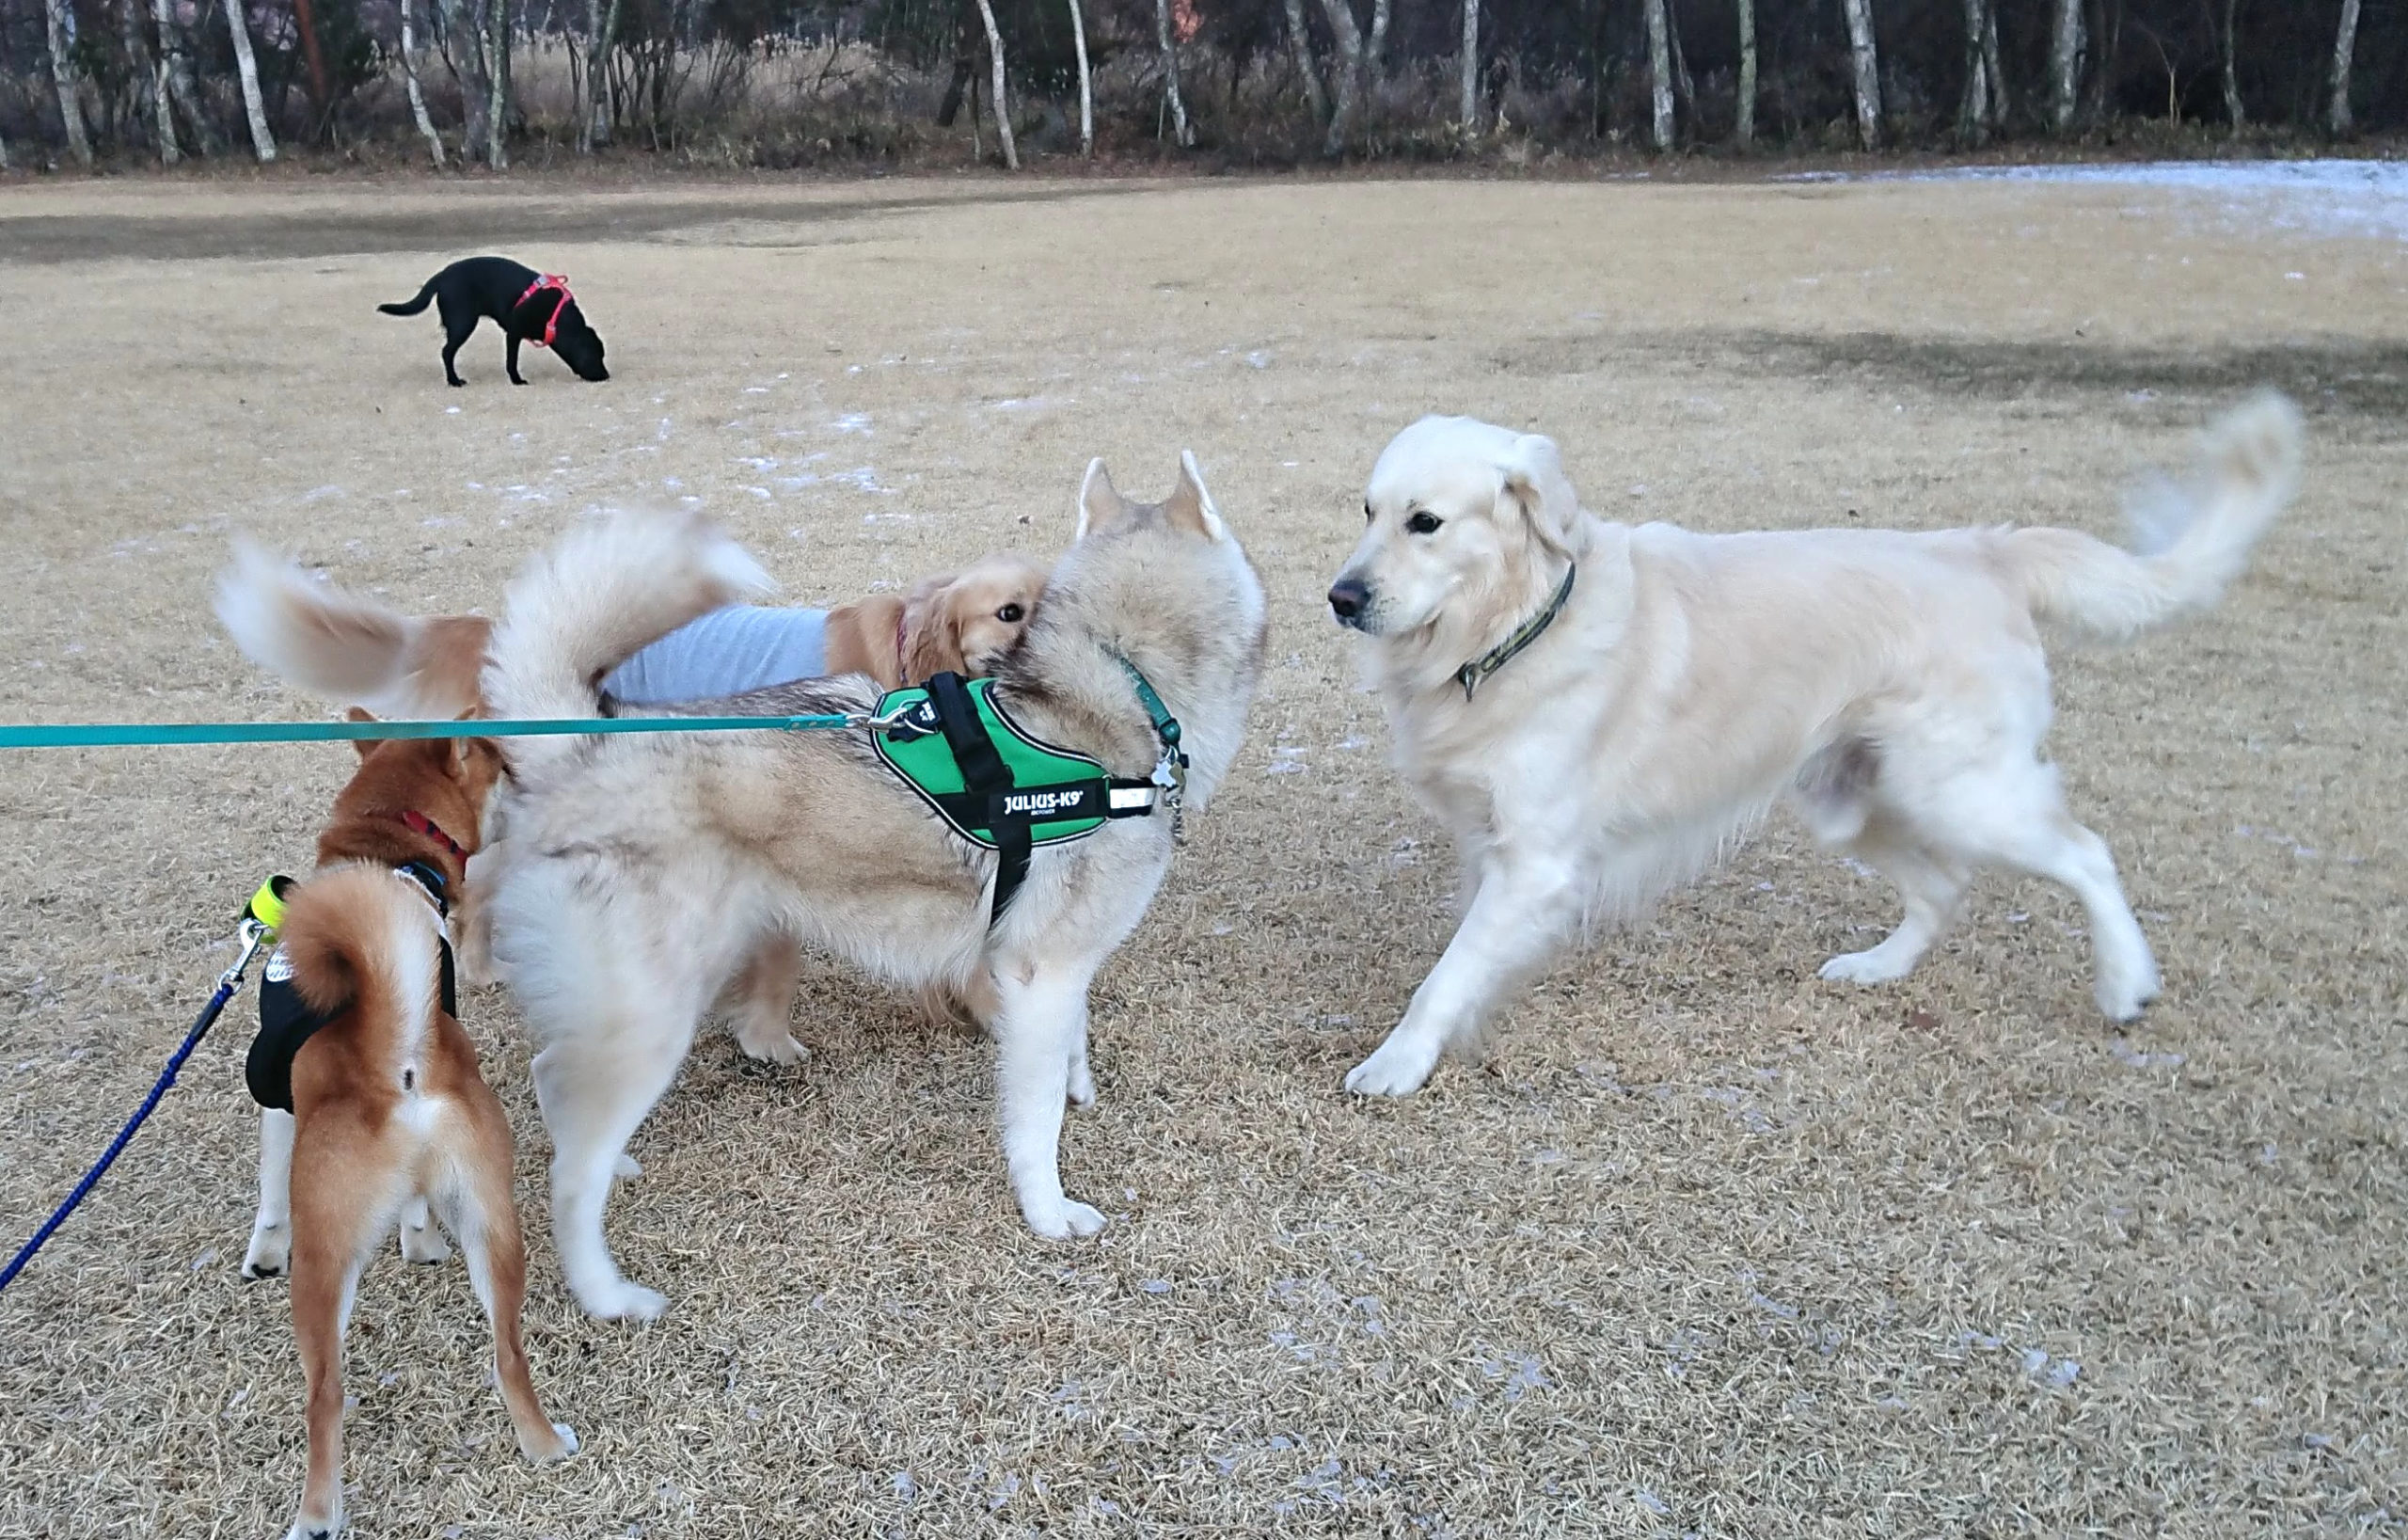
x: 254, y: 106
x: 1974, y: 113
x: 1087, y: 83
x: 1346, y: 70
x: 185, y: 91
x: 62, y: 72
x: 1467, y: 106
x: 1002, y: 115
x: 417, y: 95
x: 1999, y: 105
x: 2232, y: 110
x: 1659, y: 75
x: 2065, y: 63
x: 1181, y: 134
x: 498, y: 99
x: 1867, y: 71
x: 2345, y: 42
x: 1301, y: 41
x: 1744, y: 130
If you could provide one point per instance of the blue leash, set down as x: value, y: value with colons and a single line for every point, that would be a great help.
x: 254, y: 935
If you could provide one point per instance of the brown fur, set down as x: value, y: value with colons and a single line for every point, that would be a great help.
x: 388, y: 1109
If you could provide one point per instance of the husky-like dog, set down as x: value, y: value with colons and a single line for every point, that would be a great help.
x: 644, y: 873
x: 1595, y: 710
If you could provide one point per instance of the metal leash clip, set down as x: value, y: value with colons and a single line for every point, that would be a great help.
x: 1170, y: 777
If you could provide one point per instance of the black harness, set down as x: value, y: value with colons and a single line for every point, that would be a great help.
x: 286, y: 1022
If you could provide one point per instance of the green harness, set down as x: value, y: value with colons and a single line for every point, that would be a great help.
x: 1000, y: 787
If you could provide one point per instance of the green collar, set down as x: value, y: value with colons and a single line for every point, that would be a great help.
x: 1480, y: 668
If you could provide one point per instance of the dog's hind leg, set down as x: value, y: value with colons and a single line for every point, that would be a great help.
x: 595, y: 1085
x: 1933, y: 888
x: 345, y: 1200
x: 1518, y: 918
x: 479, y: 1210
x: 760, y: 1003
x: 2013, y: 814
x: 459, y: 322
x: 271, y: 1247
x: 1041, y: 1013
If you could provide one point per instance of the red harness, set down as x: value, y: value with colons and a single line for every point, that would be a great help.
x: 552, y: 326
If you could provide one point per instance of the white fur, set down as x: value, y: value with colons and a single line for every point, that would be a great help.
x: 1890, y: 687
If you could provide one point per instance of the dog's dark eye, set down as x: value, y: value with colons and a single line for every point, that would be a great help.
x: 1425, y: 522
x: 1009, y: 614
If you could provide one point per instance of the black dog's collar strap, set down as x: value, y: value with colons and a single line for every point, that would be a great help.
x: 1480, y: 668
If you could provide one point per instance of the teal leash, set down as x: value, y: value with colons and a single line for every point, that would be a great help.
x: 148, y: 734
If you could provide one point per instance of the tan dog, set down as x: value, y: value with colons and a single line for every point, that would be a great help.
x: 372, y: 1108
x: 957, y: 622
x: 1591, y: 744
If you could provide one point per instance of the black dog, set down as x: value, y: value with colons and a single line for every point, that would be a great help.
x: 530, y: 307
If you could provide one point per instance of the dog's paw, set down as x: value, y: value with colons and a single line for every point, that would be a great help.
x: 773, y: 1048
x: 1082, y: 1088
x: 623, y: 1301
x: 1866, y: 967
x: 553, y: 1449
x: 306, y: 1528
x: 425, y: 1245
x: 1066, y: 1221
x: 1392, y: 1072
x: 270, y: 1253
x: 625, y: 1167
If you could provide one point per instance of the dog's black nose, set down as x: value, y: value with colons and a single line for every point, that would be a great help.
x: 1347, y: 596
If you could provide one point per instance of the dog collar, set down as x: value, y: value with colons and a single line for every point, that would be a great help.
x: 418, y: 823
x: 1480, y: 668
x: 1170, y: 766
x: 551, y: 327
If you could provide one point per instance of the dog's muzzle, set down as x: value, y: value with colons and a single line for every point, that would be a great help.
x: 1349, y: 598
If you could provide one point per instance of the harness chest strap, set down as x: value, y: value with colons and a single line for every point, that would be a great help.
x: 553, y: 323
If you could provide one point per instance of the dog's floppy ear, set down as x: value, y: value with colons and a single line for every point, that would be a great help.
x: 1190, y: 505
x: 932, y: 631
x: 1533, y: 477
x: 1100, y: 502
x: 364, y: 745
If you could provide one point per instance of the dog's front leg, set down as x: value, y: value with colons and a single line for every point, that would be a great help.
x: 515, y: 376
x: 271, y: 1249
x: 1041, y: 1016
x: 1516, y: 920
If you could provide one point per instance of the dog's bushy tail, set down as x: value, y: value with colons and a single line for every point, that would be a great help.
x: 358, y: 935
x: 411, y: 306
x: 335, y: 643
x: 2194, y: 536
x: 601, y: 593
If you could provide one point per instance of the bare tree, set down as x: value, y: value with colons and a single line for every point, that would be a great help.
x: 246, y: 64
x: 2232, y: 109
x: 1357, y: 53
x: 1744, y: 130
x: 1300, y: 41
x: 1087, y: 83
x: 1866, y: 71
x: 175, y: 63
x: 601, y: 35
x: 2065, y: 63
x: 1468, y: 65
x: 146, y: 80
x: 1182, y: 135
x: 1659, y: 74
x: 1999, y: 103
x: 461, y: 32
x: 1003, y: 116
x: 1974, y: 113
x: 497, y: 101
x: 63, y: 74
x: 418, y: 96
x: 2345, y: 42
x: 4, y: 151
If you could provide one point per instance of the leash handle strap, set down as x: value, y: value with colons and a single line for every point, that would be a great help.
x: 107, y: 735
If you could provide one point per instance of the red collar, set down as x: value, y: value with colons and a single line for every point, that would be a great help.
x: 551, y: 327
x: 419, y: 824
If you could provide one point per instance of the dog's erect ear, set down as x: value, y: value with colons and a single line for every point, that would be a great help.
x: 365, y: 745
x: 1534, y: 478
x: 1190, y: 504
x: 1100, y: 502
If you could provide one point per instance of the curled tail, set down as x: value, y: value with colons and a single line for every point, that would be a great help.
x: 604, y: 591
x: 411, y: 306
x: 2196, y: 536
x: 359, y: 937
x: 344, y: 647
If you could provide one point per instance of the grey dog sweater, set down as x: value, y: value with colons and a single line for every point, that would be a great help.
x: 727, y: 652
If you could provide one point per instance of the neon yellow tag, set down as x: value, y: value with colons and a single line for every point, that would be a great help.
x: 267, y: 904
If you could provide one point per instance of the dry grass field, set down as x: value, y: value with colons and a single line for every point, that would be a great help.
x: 1710, y: 1246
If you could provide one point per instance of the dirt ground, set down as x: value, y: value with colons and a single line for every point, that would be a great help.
x: 1710, y: 1247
